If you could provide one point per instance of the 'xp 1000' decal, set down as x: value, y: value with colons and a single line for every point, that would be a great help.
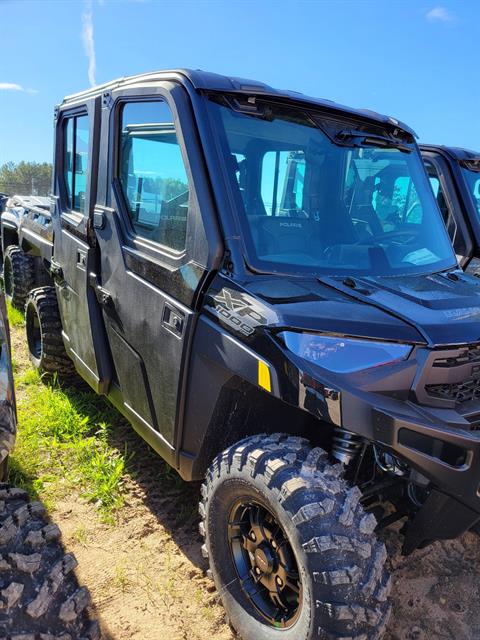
x: 240, y: 311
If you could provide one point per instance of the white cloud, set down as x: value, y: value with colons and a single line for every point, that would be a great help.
x: 89, y: 41
x: 12, y: 86
x: 440, y: 14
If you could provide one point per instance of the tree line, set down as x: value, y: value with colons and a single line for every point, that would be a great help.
x: 26, y: 178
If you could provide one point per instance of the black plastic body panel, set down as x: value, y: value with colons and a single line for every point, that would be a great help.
x: 147, y: 355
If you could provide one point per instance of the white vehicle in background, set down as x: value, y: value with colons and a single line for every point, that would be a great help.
x: 18, y: 268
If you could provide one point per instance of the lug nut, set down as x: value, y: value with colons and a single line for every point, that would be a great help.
x: 252, y: 536
x: 257, y: 571
x: 279, y: 581
x: 274, y: 544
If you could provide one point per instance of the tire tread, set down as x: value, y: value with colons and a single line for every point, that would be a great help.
x: 22, y: 268
x: 350, y: 582
x: 54, y: 359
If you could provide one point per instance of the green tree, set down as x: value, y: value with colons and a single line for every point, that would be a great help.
x: 26, y: 178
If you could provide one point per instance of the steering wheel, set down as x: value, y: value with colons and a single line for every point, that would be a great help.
x: 411, y: 209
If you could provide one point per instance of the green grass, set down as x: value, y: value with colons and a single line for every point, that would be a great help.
x: 15, y: 316
x: 63, y: 445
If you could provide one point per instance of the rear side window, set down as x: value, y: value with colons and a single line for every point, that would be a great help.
x: 282, y: 178
x: 438, y: 191
x: 473, y: 183
x: 152, y: 174
x: 76, y: 150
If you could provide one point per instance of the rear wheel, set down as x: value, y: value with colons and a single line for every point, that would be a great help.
x: 292, y: 552
x: 18, y: 275
x: 44, y: 335
x: 39, y: 593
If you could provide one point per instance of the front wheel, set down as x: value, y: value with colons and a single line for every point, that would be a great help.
x: 292, y: 553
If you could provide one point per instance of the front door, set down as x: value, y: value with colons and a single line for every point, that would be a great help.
x: 153, y: 255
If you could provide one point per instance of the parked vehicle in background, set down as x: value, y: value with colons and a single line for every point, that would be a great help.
x: 262, y: 284
x: 3, y: 201
x: 15, y: 207
x: 40, y: 595
x: 455, y: 177
x: 21, y: 272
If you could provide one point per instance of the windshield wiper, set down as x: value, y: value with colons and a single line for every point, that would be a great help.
x: 350, y: 138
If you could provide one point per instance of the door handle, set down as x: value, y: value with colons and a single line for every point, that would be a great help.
x: 81, y: 259
x: 173, y: 320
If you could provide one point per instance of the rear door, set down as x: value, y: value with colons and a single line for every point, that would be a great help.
x: 76, y: 152
x: 154, y: 253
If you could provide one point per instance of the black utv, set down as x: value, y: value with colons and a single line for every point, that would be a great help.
x: 263, y: 285
x: 455, y: 178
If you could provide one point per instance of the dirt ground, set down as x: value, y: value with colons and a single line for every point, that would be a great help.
x: 146, y: 573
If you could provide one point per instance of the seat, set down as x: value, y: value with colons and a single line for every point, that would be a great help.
x: 284, y: 236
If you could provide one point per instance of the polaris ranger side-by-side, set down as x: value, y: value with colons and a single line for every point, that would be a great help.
x: 261, y: 282
x: 455, y: 177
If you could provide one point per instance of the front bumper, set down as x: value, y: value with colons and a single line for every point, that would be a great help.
x: 391, y: 406
x: 441, y: 444
x: 448, y: 457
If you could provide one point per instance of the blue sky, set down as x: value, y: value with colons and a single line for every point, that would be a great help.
x: 413, y: 59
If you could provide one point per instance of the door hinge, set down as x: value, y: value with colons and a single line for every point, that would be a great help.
x: 103, y: 296
x: 107, y: 100
x: 98, y: 219
x: 56, y: 271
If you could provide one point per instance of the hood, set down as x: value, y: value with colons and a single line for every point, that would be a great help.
x: 444, y: 308
x: 440, y: 309
x: 310, y: 305
x: 437, y: 310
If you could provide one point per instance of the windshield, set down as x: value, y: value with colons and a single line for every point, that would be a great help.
x: 311, y: 201
x: 472, y: 178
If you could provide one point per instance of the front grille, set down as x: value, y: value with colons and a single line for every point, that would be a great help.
x: 469, y: 354
x: 455, y: 376
x: 458, y: 392
x: 474, y: 420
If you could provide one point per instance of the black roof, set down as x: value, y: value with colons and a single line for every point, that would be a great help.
x: 457, y: 153
x: 206, y: 81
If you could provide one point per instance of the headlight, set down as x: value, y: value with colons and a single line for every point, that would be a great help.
x: 344, y: 355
